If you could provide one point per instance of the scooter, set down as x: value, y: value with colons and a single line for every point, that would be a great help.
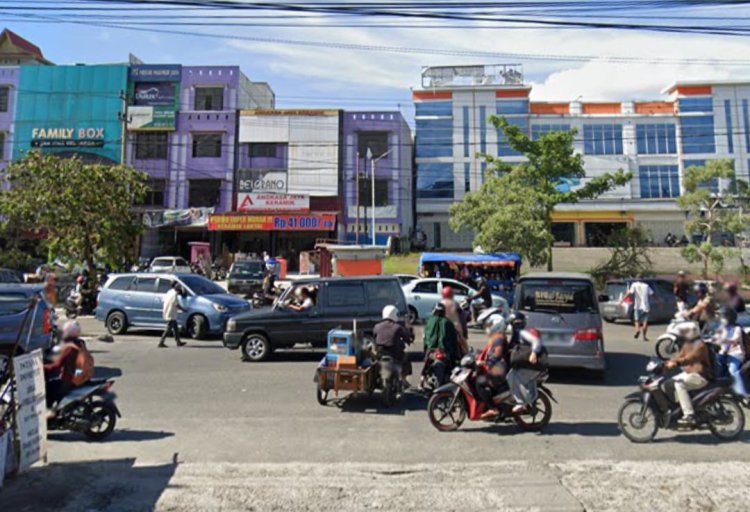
x: 89, y: 409
x: 73, y: 310
x: 438, y: 370
x: 669, y: 344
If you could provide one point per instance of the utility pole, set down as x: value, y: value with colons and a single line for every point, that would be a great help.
x: 125, y: 119
x: 356, y: 166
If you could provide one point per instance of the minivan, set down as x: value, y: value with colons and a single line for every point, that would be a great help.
x: 337, y: 302
x: 563, y: 307
x: 40, y: 328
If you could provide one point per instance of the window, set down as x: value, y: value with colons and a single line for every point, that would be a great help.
x: 206, y: 145
x: 155, y: 194
x: 381, y: 191
x: 696, y: 105
x: 434, y: 108
x: 121, y: 283
x: 698, y: 134
x: 712, y: 185
x: 557, y: 296
x: 204, y: 193
x: 467, y: 177
x: 511, y: 107
x: 265, y: 150
x: 537, y: 130
x: 656, y: 139
x: 730, y: 133
x: 164, y: 285
x: 383, y: 293
x: 425, y: 287
x: 13, y: 303
x: 350, y: 295
x: 209, y: 98
x: 146, y: 284
x: 151, y: 145
x: 434, y: 138
x: 503, y: 149
x: 2, y: 146
x: 376, y: 142
x: 199, y: 285
x: 483, y: 121
x: 602, y: 139
x: 467, y: 152
x: 659, y: 181
x: 4, y: 97
x: 435, y: 181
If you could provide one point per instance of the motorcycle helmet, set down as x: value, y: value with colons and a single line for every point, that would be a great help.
x: 71, y: 330
x: 731, y: 287
x: 479, y: 280
x: 494, y: 324
x: 700, y: 289
x: 447, y: 292
x: 518, y: 321
x: 80, y: 279
x: 728, y: 315
x: 484, y: 315
x: 439, y: 309
x: 390, y: 312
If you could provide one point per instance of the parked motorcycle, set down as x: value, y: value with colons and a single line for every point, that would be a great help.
x: 452, y: 403
x: 73, y: 309
x: 218, y: 272
x: 89, y: 409
x: 655, y: 406
x: 669, y: 344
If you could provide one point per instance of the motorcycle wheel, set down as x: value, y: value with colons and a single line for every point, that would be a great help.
x: 390, y: 392
x: 726, y: 418
x: 103, y: 419
x: 71, y: 313
x: 321, y: 395
x: 666, y: 348
x: 443, y: 419
x: 635, y: 423
x: 538, y: 415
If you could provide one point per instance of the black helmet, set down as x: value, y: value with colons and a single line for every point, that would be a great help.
x: 729, y: 315
x: 701, y: 289
x: 518, y: 320
x: 439, y: 309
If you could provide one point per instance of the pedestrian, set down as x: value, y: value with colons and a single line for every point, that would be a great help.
x: 170, y: 309
x: 680, y: 290
x: 641, y: 294
x: 733, y: 298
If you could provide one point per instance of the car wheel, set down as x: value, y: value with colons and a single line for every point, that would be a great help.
x: 609, y: 319
x: 197, y: 327
x: 412, y: 316
x: 256, y: 348
x: 117, y: 323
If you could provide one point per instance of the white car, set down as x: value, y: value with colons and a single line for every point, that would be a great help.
x: 170, y: 265
x: 423, y: 294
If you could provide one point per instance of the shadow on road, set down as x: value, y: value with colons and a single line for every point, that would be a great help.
x: 703, y: 438
x: 105, y: 372
x: 103, y: 485
x: 623, y: 369
x: 585, y: 429
x: 365, y: 404
x: 118, y: 436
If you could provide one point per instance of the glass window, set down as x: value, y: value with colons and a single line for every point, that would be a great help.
x: 434, y: 138
x: 730, y: 132
x: 155, y: 193
x: 376, y: 142
x: 503, y: 149
x: 698, y: 134
x: 346, y: 294
x: 206, y: 145
x: 2, y: 145
x: 746, y: 122
x: 383, y: 293
x: 164, y: 285
x: 435, y: 181
x: 483, y: 121
x: 262, y: 150
x: 151, y: 145
x: 602, y: 139
x: 425, y: 287
x: 557, y: 296
x: 204, y: 193
x: 202, y: 286
x: 511, y: 107
x: 13, y: 303
x: 467, y: 177
x: 209, y: 98
x: 659, y: 181
x: 655, y: 139
x: 695, y: 105
x: 146, y: 284
x: 4, y: 97
x: 467, y: 151
x: 434, y: 108
x: 248, y: 269
x: 121, y: 283
x: 381, y: 191
x: 537, y: 130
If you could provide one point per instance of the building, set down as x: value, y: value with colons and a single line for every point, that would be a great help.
x: 15, y: 51
x: 386, y: 138
x: 655, y: 139
x: 182, y: 131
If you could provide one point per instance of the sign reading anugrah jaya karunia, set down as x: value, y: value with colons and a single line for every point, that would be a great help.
x: 312, y: 222
x: 258, y: 202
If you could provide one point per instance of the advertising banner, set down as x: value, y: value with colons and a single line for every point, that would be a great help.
x: 259, y: 202
x: 262, y: 180
x: 192, y: 217
x: 311, y: 222
x: 31, y: 417
x: 154, y: 95
x: 152, y: 118
x: 66, y: 137
x: 156, y: 73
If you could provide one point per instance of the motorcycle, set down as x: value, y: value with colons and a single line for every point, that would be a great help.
x: 438, y: 370
x: 89, y: 409
x: 451, y: 404
x: 218, y: 272
x: 669, y: 344
x: 389, y: 380
x: 261, y: 300
x: 73, y: 309
x: 653, y: 407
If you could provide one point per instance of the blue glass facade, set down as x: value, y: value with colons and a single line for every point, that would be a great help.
x: 483, y: 121
x: 512, y: 107
x: 434, y: 138
x: 746, y: 124
x: 467, y: 151
x: 435, y: 181
x: 656, y: 139
x: 537, y: 130
x: 712, y: 185
x: 659, y: 181
x: 703, y: 104
x: 728, y: 118
x: 434, y: 108
x: 698, y: 134
x: 503, y: 149
x: 602, y: 139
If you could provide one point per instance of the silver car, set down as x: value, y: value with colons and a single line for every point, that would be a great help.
x: 615, y: 305
x: 170, y: 264
x: 563, y: 308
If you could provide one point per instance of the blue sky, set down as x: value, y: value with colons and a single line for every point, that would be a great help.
x: 348, y: 78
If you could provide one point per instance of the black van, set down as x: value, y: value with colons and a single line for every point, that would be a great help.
x: 337, y: 303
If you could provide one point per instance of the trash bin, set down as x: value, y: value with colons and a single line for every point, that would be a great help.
x: 281, y: 265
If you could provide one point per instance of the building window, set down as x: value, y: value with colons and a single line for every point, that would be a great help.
x: 483, y: 121
x: 511, y: 107
x: 376, y: 142
x: 204, y: 193
x: 503, y: 149
x: 209, y: 98
x: 467, y: 152
x: 434, y: 138
x: 264, y: 150
x: 434, y: 108
x: 381, y: 191
x: 696, y: 105
x: 698, y: 134
x: 155, y: 194
x: 467, y: 177
x: 602, y: 139
x: 746, y: 121
x: 435, y: 181
x: 656, y: 139
x: 730, y: 133
x: 206, y: 145
x: 659, y: 181
x: 151, y: 145
x: 712, y: 185
x: 537, y: 130
x: 4, y: 97
x: 2, y: 146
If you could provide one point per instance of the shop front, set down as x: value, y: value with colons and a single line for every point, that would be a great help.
x: 588, y: 228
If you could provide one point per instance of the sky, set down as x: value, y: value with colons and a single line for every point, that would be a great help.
x: 345, y: 77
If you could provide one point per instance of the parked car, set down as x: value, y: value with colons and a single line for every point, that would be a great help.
x: 616, y: 306
x: 423, y: 294
x: 405, y: 279
x: 337, y: 303
x: 129, y: 301
x: 14, y: 302
x: 173, y: 264
x: 563, y: 308
x: 10, y: 276
x: 246, y: 277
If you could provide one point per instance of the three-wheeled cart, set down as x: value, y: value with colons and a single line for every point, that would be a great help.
x: 352, y: 380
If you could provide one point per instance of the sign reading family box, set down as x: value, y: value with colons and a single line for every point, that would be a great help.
x: 31, y: 417
x: 321, y: 222
x: 154, y: 94
x: 64, y: 137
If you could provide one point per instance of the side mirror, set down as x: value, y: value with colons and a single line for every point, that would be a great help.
x: 603, y: 298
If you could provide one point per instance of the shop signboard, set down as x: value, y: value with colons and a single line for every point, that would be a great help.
x: 262, y: 180
x: 154, y: 96
x: 307, y: 222
x: 152, y: 118
x: 31, y: 417
x: 66, y: 137
x: 260, y: 202
x: 191, y: 217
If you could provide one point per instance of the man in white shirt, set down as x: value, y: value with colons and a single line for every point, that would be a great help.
x: 306, y: 301
x: 169, y: 312
x: 641, y: 294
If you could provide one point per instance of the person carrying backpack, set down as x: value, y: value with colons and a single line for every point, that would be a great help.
x: 73, y: 366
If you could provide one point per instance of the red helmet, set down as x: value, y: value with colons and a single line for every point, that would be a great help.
x: 80, y: 280
x: 447, y: 292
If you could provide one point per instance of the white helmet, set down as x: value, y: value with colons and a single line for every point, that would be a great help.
x: 494, y: 324
x: 71, y: 329
x: 390, y: 312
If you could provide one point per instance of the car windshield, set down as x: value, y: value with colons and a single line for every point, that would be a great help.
x: 8, y: 276
x: 248, y: 268
x: 13, y: 303
x: 202, y: 286
x: 557, y: 296
x: 616, y: 291
x: 163, y: 262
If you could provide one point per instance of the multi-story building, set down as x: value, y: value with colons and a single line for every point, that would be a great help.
x: 385, y: 138
x: 654, y: 139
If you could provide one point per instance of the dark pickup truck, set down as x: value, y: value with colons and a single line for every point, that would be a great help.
x: 337, y: 303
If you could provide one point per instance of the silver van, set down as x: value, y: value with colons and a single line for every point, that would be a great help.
x: 563, y: 307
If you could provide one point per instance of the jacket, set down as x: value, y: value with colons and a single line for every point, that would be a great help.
x: 440, y: 333
x: 694, y: 358
x: 391, y: 338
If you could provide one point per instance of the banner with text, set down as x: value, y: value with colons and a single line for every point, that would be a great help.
x: 258, y: 202
x: 31, y: 417
x: 312, y: 222
x: 262, y: 180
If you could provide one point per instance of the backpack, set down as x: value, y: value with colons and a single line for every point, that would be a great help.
x: 84, y: 366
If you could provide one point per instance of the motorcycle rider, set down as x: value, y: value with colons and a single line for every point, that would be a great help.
x: 524, y: 369
x: 439, y: 334
x: 60, y: 372
x: 483, y: 292
x: 705, y: 309
x: 455, y: 315
x: 680, y: 291
x: 392, y: 338
x: 729, y: 337
x: 734, y: 299
x: 269, y: 281
x: 494, y: 357
x: 695, y: 361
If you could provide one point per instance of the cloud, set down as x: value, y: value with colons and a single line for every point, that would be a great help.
x: 104, y: 35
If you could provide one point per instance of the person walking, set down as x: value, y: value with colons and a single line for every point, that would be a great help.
x: 641, y: 294
x: 680, y: 290
x: 171, y: 308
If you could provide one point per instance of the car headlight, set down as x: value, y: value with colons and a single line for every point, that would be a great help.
x: 220, y: 307
x: 231, y: 325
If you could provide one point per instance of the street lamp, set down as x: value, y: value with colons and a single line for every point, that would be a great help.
x: 373, y: 161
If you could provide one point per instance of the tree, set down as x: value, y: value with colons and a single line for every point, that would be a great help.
x: 710, y: 214
x: 85, y: 211
x: 628, y: 256
x: 512, y: 211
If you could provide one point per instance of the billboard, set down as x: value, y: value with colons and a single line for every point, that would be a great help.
x: 259, y: 202
x: 154, y: 92
x: 262, y: 180
x: 311, y: 222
